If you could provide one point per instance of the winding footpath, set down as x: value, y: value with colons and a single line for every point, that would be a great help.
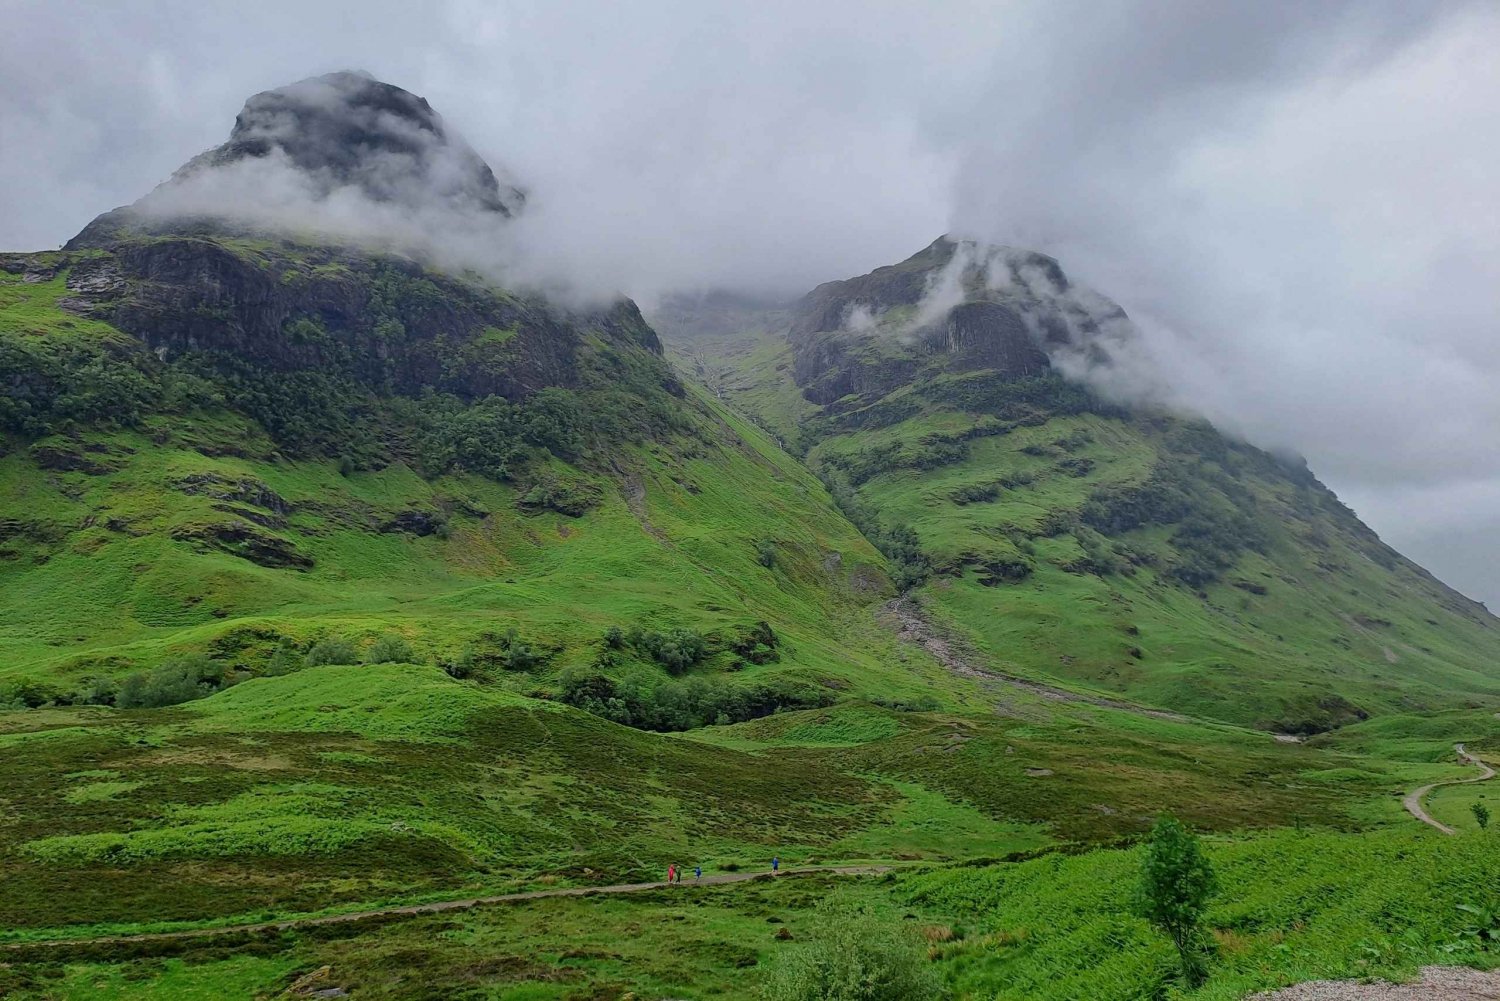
x: 1413, y: 800
x: 436, y: 907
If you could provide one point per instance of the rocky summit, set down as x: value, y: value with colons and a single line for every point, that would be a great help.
x: 341, y: 137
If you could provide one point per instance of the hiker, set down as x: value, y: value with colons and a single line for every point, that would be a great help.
x: 775, y: 865
x: 671, y: 873
x: 697, y: 874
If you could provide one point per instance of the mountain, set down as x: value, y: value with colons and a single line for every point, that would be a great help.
x: 338, y: 575
x: 208, y: 424
x: 341, y: 140
x: 1072, y: 539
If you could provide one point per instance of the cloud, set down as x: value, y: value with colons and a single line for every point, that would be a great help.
x: 1295, y: 202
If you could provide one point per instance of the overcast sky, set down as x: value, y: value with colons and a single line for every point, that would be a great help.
x: 1299, y: 202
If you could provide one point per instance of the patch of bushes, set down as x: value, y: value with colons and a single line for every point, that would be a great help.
x: 1214, y: 517
x: 331, y: 650
x: 1076, y: 466
x: 900, y: 543
x: 668, y: 705
x: 390, y: 648
x: 52, y: 385
x: 1117, y: 508
x: 675, y: 649
x: 975, y: 493
x: 756, y: 644
x: 851, y: 955
x: 179, y: 680
x: 460, y: 665
x: 509, y: 652
x: 174, y: 681
x: 565, y: 496
x: 1029, y: 400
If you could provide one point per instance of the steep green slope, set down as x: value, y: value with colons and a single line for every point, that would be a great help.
x: 1122, y: 549
x: 144, y: 518
x: 642, y: 553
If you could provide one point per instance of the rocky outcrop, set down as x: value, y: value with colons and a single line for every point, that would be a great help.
x: 205, y: 266
x: 334, y: 134
x: 247, y: 541
x: 955, y: 306
x: 385, y: 321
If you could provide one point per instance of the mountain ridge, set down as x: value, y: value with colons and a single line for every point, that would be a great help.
x: 928, y: 396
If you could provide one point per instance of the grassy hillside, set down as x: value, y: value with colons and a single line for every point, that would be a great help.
x: 329, y: 582
x: 1293, y: 906
x: 192, y: 525
x: 1070, y: 540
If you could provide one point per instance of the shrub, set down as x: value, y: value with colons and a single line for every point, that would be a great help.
x: 570, y: 497
x: 331, y: 650
x: 516, y: 654
x: 27, y: 695
x: 668, y: 705
x: 674, y: 649
x: 285, y: 660
x: 853, y: 956
x: 614, y: 638
x: 756, y: 644
x: 1176, y: 884
x: 460, y: 665
x: 99, y: 692
x: 975, y: 493
x: 1481, y: 815
x: 390, y: 648
x: 179, y: 680
x: 765, y: 553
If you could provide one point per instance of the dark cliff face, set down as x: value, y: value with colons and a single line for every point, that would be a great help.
x: 240, y: 295
x: 384, y: 321
x: 337, y: 133
x: 952, y: 307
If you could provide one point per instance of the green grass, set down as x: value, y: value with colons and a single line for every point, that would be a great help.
x: 339, y: 788
x: 1292, y: 906
x: 31, y: 310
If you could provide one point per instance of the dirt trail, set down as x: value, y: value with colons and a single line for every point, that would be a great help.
x: 438, y: 906
x: 914, y: 627
x: 1438, y: 983
x: 1413, y: 800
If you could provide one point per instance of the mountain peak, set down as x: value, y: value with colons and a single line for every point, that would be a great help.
x: 958, y: 304
x: 321, y: 142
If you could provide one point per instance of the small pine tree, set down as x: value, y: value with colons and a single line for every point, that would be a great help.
x: 1481, y: 815
x: 1176, y: 884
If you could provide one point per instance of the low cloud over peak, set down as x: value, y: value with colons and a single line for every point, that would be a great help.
x: 1296, y: 203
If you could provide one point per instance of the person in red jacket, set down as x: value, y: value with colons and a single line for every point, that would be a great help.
x: 671, y: 873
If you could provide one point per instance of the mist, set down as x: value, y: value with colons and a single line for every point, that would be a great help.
x: 1297, y: 204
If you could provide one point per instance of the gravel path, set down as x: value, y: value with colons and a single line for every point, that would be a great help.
x: 1413, y: 800
x: 1438, y: 983
x: 439, y: 906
